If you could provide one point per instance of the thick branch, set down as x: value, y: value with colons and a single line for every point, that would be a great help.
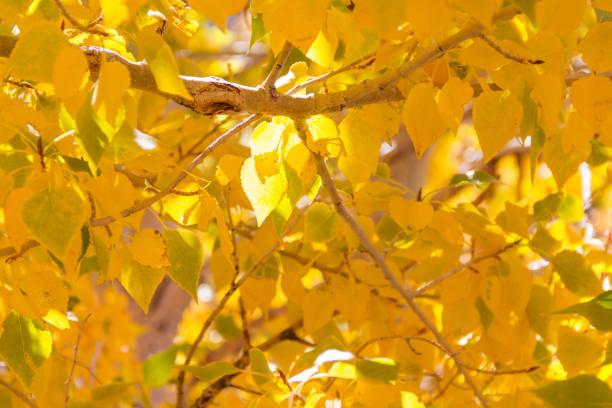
x: 213, y: 95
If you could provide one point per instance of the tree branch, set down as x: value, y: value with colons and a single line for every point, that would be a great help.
x: 459, y: 268
x: 270, y: 81
x: 74, y: 360
x: 506, y: 54
x: 379, y: 259
x: 213, y: 315
x: 211, y: 95
x: 209, y: 393
x: 88, y: 28
x: 170, y: 187
x: 18, y: 393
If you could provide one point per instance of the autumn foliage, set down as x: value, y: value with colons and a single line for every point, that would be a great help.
x: 248, y: 152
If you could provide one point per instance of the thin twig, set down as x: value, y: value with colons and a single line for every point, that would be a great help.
x: 74, y: 360
x: 213, y: 315
x: 192, y: 165
x: 409, y: 339
x: 82, y: 365
x: 506, y: 54
x: 245, y: 389
x: 459, y: 268
x: 269, y: 83
x: 246, y: 337
x: 87, y: 28
x: 367, y: 61
x: 18, y: 393
x: 379, y: 259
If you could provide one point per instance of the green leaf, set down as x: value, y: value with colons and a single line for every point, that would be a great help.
x: 583, y: 391
x: 162, y: 63
x: 602, y: 15
x: 530, y: 111
x: 24, y: 345
x: 109, y: 395
x: 157, y: 369
x: 476, y: 178
x: 226, y: 326
x: 597, y: 310
x: 486, y: 316
x: 258, y: 30
x: 35, y: 52
x: 140, y: 281
x: 576, y: 273
x: 527, y: 7
x: 538, y: 309
x: 259, y: 366
x: 570, y: 208
x: 186, y: 257
x: 54, y: 216
x: 380, y: 369
x: 321, y: 222
x: 544, y: 243
x: 211, y: 371
x: 92, y: 138
x: 546, y: 207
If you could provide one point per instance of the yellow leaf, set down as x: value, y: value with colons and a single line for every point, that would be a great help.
x: 422, y: 118
x: 481, y: 10
x: 36, y: 51
x: 516, y: 219
x: 497, y: 118
x: 549, y: 93
x: 113, y: 82
x: 408, y: 213
x: 324, y: 136
x: 563, y: 165
x: 219, y: 11
x: 115, y: 12
x: 266, y: 137
x: 603, y: 4
x: 481, y: 55
x: 297, y: 22
x: 431, y: 18
x: 460, y: 317
x: 264, y: 197
x: 228, y: 168
x: 148, y: 248
x: 206, y: 211
x: 70, y: 72
x: 222, y: 271
x: 560, y: 16
x: 383, y: 118
x: 605, y: 132
x: 318, y: 307
x: 595, y: 47
x: 592, y: 98
x: 161, y: 61
x: 576, y: 134
x: 454, y: 94
x: 577, y: 351
x: 323, y: 49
